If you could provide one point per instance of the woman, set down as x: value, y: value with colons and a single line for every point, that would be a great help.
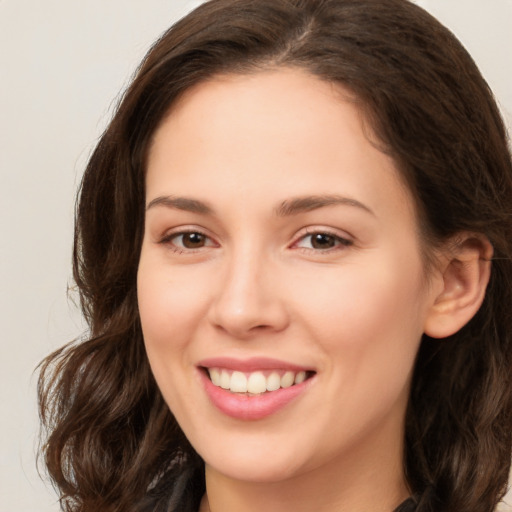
x: 293, y: 247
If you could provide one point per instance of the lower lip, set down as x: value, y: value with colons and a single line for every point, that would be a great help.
x: 250, y: 408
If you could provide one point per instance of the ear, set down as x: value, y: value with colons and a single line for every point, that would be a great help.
x: 464, y: 275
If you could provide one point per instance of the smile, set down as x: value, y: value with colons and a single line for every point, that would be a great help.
x: 256, y: 382
x: 253, y: 389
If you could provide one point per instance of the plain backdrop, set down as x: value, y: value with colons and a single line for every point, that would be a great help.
x: 63, y: 64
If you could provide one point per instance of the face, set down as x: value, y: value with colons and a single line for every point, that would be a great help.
x: 281, y: 286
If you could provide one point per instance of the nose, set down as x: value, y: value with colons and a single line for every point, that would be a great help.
x: 247, y: 300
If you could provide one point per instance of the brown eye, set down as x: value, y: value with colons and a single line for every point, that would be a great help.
x: 187, y: 241
x: 322, y: 241
x: 192, y: 240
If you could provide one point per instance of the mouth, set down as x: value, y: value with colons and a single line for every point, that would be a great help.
x: 255, y: 383
x: 253, y: 389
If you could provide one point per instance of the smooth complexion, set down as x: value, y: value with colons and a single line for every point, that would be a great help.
x: 275, y: 229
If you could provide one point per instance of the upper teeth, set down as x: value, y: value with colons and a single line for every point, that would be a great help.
x: 255, y: 382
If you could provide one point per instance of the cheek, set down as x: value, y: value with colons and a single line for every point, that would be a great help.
x: 369, y: 315
x: 168, y: 298
x: 170, y: 308
x: 368, y: 325
x: 168, y: 317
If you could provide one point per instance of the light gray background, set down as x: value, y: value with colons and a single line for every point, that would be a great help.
x: 63, y: 63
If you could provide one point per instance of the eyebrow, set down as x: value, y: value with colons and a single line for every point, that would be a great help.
x: 287, y: 208
x: 307, y: 203
x: 181, y: 203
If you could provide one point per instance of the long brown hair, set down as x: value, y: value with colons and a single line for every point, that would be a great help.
x: 111, y: 443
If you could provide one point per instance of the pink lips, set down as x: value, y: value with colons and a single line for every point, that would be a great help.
x: 247, y: 407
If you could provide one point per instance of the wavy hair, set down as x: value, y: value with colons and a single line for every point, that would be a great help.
x: 109, y: 441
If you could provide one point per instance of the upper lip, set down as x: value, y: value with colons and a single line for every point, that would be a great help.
x: 252, y: 364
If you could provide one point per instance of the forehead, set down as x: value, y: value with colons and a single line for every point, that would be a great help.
x: 282, y: 131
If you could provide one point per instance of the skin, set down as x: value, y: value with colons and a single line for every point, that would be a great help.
x: 257, y: 286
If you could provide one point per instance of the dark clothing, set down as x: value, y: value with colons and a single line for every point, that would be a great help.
x: 407, y: 506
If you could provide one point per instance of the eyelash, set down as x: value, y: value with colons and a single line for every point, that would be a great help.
x: 340, y: 242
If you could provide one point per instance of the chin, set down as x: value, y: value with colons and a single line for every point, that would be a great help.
x: 250, y: 462
x: 255, y: 470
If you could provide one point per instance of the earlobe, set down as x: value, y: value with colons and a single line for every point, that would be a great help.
x: 465, y: 275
